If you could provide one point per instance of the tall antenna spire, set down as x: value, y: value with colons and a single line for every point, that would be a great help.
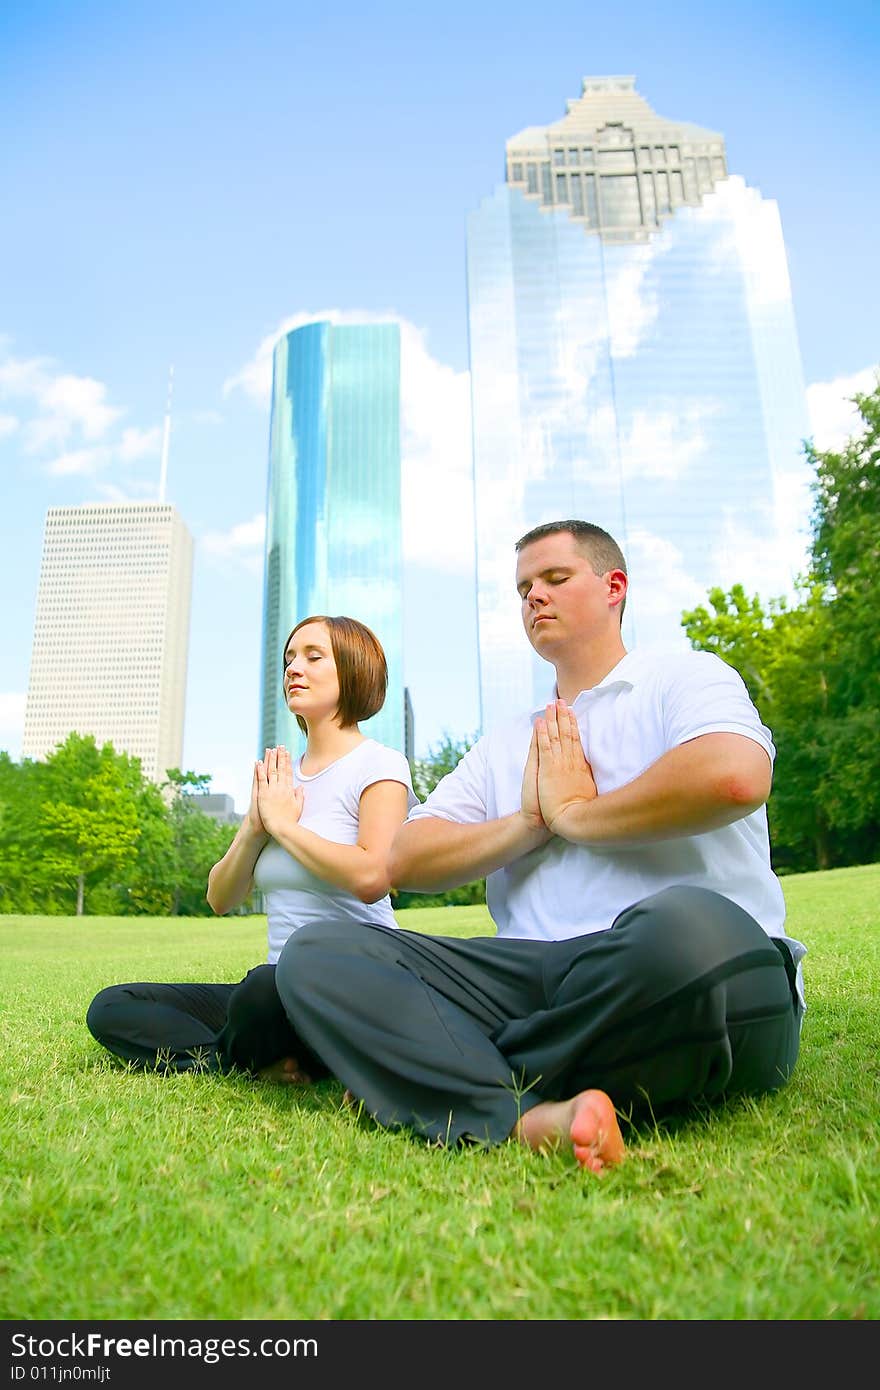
x: 163, y: 474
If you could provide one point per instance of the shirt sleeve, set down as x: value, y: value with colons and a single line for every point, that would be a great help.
x: 707, y: 696
x: 461, y: 794
x: 387, y: 765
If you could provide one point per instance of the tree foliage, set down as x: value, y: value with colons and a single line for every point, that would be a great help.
x: 197, y: 842
x: 84, y: 831
x: 813, y: 668
x: 442, y: 758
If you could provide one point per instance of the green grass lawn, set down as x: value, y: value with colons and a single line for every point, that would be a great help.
x: 200, y: 1197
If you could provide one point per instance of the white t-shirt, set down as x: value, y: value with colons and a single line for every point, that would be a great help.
x: 649, y: 703
x: 331, y: 807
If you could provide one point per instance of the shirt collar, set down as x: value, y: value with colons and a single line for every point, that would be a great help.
x: 628, y: 671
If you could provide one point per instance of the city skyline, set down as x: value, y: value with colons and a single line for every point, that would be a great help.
x: 185, y: 193
x: 634, y: 362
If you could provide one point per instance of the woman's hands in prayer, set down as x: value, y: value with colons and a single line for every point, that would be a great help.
x: 279, y: 802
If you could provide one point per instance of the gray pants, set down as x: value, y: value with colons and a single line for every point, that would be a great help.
x: 684, y: 998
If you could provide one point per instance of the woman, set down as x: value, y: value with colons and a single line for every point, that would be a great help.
x: 315, y: 840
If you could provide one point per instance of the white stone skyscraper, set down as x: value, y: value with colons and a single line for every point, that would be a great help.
x: 634, y: 363
x: 111, y: 633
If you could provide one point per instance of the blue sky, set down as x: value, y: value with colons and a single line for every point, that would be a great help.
x: 181, y: 180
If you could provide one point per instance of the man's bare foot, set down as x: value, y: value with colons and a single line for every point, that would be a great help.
x: 587, y: 1120
x: 288, y: 1070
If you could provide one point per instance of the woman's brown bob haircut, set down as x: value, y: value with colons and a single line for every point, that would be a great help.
x: 360, y: 666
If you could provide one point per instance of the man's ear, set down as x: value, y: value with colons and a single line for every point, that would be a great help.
x: 617, y: 587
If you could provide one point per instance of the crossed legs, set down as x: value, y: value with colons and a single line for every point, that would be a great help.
x: 482, y: 1039
x: 207, y: 1027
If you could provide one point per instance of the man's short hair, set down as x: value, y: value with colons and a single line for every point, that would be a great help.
x: 360, y: 666
x: 596, y: 545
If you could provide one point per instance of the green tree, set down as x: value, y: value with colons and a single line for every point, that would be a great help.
x: 441, y: 758
x: 86, y: 830
x: 24, y: 886
x: 846, y: 517
x: 145, y: 887
x: 846, y: 559
x: 782, y: 655
x: 197, y: 841
x: 88, y: 822
x: 814, y: 669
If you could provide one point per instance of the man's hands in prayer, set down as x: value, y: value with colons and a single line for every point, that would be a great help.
x: 530, y: 808
x: 563, y: 775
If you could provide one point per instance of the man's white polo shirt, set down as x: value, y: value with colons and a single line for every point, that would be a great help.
x: 649, y: 703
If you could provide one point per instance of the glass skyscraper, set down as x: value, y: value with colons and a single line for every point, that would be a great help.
x: 333, y: 537
x: 634, y: 363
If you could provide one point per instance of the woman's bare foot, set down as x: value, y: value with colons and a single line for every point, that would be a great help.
x: 287, y: 1069
x: 587, y: 1120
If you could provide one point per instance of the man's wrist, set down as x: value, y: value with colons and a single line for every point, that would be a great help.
x: 572, y: 820
x: 534, y: 829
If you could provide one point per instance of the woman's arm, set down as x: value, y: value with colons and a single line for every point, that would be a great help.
x: 361, y: 868
x: 232, y: 877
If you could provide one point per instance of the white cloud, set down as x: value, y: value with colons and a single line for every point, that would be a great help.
x: 436, y: 462
x: 65, y: 403
x: 79, y: 462
x: 759, y: 240
x: 12, y: 705
x: 243, y: 544
x: 654, y: 610
x: 136, y: 490
x: 833, y: 417
x: 81, y: 401
x: 138, y: 444
x: 25, y: 377
x: 749, y: 233
x: 742, y: 554
x: 664, y: 443
x: 45, y: 433
x: 70, y: 429
x: 436, y: 485
x: 632, y: 306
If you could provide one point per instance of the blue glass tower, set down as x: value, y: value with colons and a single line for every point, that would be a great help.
x: 333, y: 534
x: 634, y: 363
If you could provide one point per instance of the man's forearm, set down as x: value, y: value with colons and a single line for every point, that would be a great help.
x: 700, y: 786
x: 430, y: 854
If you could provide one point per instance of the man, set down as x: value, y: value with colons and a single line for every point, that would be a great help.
x: 639, y: 959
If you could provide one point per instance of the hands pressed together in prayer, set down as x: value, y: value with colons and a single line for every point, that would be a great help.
x: 275, y: 801
x: 557, y: 776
